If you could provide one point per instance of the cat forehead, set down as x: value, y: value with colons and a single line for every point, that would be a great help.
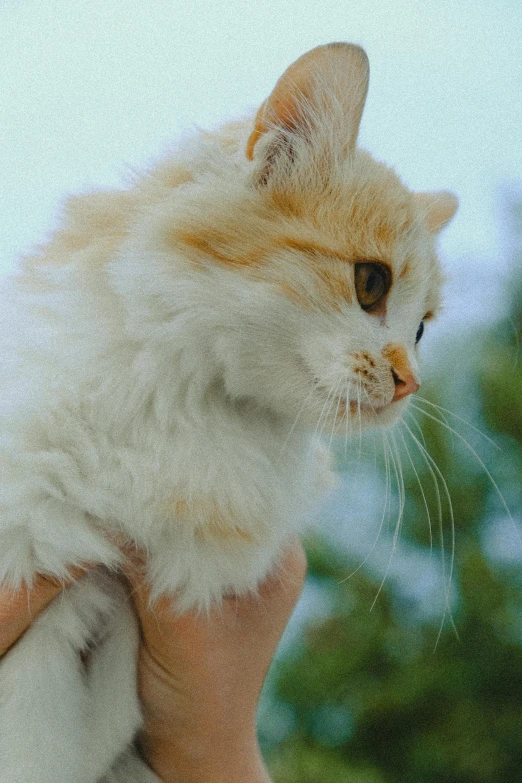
x: 365, y: 213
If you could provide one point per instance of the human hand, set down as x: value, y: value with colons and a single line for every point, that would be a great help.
x: 200, y: 676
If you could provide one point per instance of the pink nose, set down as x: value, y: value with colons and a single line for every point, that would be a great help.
x: 405, y: 384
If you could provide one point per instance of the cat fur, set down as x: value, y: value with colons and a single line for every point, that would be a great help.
x: 165, y: 359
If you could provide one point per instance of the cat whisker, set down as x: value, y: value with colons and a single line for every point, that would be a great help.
x: 440, y: 409
x: 292, y: 428
x: 316, y: 431
x: 400, y: 487
x: 482, y: 465
x: 432, y: 465
x: 421, y: 488
x: 334, y: 422
x: 440, y: 414
x: 387, y: 491
x: 397, y: 469
x: 338, y: 395
x: 359, y: 387
x: 397, y: 524
x: 383, y: 515
x: 423, y: 451
x: 347, y: 420
x: 323, y: 416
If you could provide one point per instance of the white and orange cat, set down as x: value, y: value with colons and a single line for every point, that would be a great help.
x: 165, y: 360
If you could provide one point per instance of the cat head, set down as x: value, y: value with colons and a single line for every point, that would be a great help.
x: 317, y: 264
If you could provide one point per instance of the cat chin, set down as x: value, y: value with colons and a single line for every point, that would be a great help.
x: 381, y: 416
x: 363, y: 417
x: 366, y: 416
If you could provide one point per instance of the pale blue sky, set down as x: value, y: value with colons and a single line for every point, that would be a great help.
x: 90, y: 87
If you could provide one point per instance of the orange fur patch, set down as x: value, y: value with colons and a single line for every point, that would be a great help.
x: 210, y: 521
x: 214, y: 531
x: 405, y: 271
x: 293, y: 294
x: 313, y: 248
x: 398, y: 357
x: 384, y: 233
x: 218, y: 246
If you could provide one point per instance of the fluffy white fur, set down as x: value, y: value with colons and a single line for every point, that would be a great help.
x: 164, y: 360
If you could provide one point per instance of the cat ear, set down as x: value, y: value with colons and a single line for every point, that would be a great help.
x: 323, y: 84
x: 437, y: 208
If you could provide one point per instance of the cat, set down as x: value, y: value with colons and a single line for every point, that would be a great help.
x: 166, y: 358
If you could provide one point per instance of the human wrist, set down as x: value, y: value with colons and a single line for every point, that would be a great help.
x: 205, y: 759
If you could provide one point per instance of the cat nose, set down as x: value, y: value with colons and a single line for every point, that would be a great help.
x: 405, y: 383
x: 403, y: 377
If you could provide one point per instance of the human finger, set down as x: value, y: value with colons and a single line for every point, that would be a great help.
x: 19, y: 608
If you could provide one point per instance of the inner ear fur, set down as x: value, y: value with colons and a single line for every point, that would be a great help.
x: 323, y: 82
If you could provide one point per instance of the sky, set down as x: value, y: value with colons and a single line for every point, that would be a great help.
x: 92, y: 87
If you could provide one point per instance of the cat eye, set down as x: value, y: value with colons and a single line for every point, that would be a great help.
x: 372, y: 283
x: 420, y: 332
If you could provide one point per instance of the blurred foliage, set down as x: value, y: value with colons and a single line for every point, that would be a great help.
x: 374, y: 692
